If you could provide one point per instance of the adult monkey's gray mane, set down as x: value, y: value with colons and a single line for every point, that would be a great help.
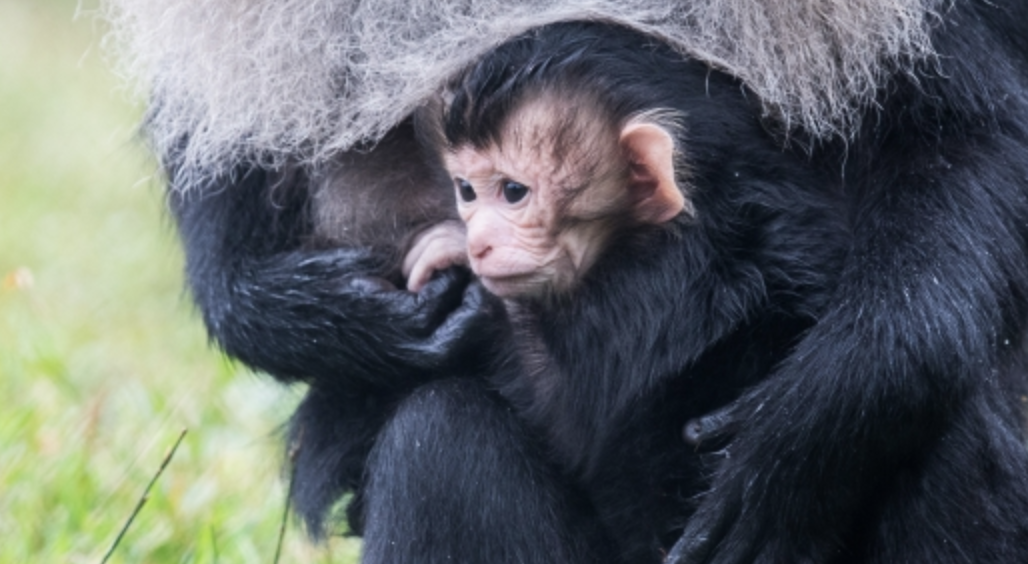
x: 303, y: 79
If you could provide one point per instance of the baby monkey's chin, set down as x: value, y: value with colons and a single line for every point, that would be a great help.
x: 512, y: 287
x: 544, y: 277
x: 518, y: 287
x: 525, y: 287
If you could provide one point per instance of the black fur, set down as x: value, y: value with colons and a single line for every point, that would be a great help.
x: 860, y: 308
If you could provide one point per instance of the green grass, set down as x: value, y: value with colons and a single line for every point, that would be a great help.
x: 102, y: 359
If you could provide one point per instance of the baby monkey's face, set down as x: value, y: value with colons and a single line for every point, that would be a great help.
x: 531, y: 230
x: 542, y: 203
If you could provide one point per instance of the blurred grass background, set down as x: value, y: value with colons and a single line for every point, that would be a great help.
x: 102, y: 359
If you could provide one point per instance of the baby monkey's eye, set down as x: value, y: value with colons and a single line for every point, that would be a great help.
x: 514, y: 192
x: 467, y: 193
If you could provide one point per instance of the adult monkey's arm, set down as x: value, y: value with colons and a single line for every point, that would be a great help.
x: 302, y: 313
x: 893, y: 432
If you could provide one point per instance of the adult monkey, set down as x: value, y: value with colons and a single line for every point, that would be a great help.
x: 631, y: 314
x: 909, y: 362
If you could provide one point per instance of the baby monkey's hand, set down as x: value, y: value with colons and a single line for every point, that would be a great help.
x: 438, y: 247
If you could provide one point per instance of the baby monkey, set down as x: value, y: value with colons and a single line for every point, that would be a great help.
x: 542, y: 193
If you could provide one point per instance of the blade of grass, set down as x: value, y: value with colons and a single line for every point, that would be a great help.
x: 146, y: 495
x: 294, y: 451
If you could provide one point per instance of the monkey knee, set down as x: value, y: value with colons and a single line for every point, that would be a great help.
x: 433, y: 462
x: 437, y: 409
x: 436, y: 425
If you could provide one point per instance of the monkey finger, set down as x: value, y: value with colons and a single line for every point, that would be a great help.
x: 416, y: 315
x: 434, y: 258
x: 471, y: 324
x: 458, y: 339
x: 439, y: 297
x: 705, y: 532
x: 369, y: 285
x: 714, y: 428
x: 435, y: 248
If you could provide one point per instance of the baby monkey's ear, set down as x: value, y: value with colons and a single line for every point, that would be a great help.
x: 654, y: 193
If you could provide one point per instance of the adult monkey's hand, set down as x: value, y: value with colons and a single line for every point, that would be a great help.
x: 319, y: 315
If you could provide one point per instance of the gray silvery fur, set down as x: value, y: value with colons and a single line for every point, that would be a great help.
x: 301, y: 80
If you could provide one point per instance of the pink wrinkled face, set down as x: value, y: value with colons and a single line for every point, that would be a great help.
x: 541, y: 205
x: 512, y: 202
